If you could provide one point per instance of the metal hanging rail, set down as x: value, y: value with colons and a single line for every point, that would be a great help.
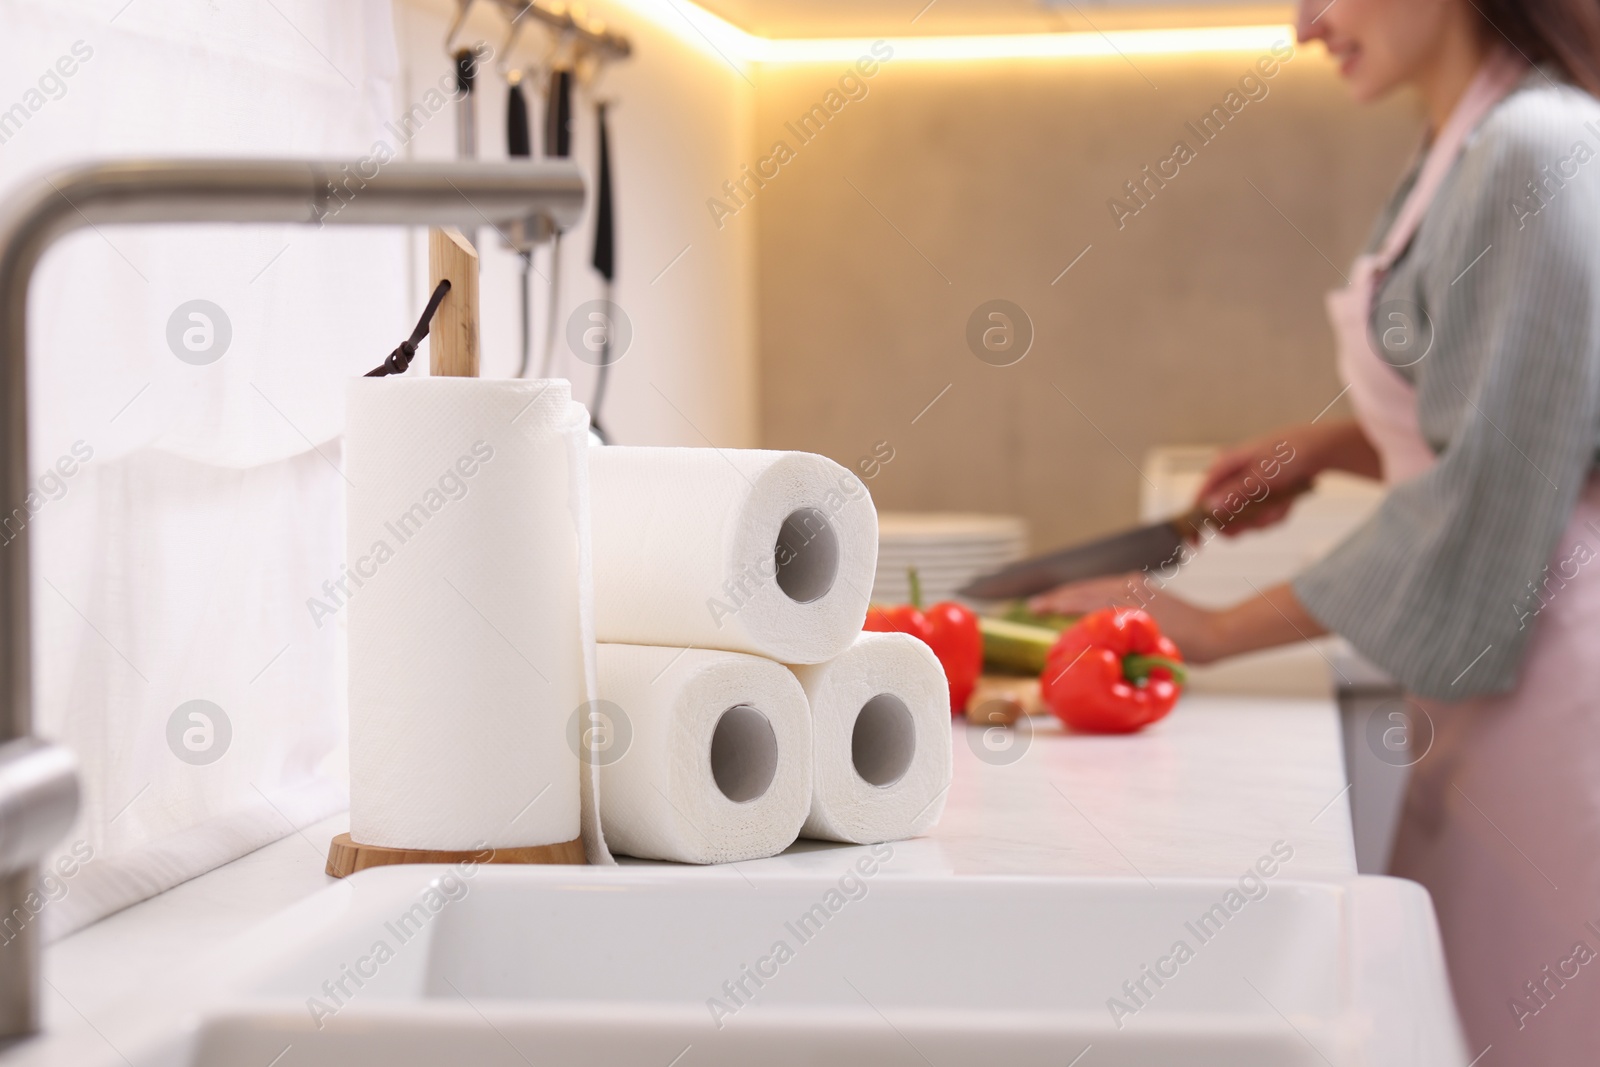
x: 591, y: 35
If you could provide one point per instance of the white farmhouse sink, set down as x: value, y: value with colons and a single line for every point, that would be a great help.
x: 568, y: 966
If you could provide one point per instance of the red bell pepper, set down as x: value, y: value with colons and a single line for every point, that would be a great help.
x: 1112, y: 672
x: 950, y: 629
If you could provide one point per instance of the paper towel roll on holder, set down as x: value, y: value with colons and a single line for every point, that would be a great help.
x: 452, y: 352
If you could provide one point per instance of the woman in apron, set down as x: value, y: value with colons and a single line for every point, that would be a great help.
x: 1469, y: 344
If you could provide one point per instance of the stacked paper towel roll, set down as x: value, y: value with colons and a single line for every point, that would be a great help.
x: 465, y: 561
x: 718, y: 767
x: 770, y: 553
x: 880, y: 714
x: 715, y: 756
x: 766, y: 558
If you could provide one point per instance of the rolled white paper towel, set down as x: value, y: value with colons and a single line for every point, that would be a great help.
x: 880, y: 720
x: 465, y: 512
x: 708, y: 754
x: 771, y: 553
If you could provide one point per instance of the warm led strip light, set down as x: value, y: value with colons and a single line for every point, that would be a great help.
x: 716, y: 35
x: 1032, y: 45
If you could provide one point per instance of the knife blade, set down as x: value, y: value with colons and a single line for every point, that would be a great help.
x: 1154, y: 545
x: 1131, y: 550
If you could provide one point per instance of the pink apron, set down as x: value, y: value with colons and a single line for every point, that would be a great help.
x: 1502, y: 816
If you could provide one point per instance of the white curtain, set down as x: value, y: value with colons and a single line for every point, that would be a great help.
x: 187, y: 504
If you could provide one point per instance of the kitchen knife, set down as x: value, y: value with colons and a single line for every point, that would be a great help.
x: 1150, y: 546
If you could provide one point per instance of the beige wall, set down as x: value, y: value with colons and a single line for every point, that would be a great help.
x: 1200, y: 321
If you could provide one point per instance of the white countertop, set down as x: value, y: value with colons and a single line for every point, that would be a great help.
x: 1205, y: 792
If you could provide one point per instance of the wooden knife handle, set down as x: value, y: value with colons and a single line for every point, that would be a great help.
x: 1190, y: 524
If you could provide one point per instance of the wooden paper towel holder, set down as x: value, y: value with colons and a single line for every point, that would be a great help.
x: 347, y: 857
x: 452, y: 352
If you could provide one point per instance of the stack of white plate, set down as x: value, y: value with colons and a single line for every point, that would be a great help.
x: 948, y: 550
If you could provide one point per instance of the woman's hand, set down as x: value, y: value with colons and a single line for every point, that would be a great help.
x: 1195, y: 630
x: 1286, y: 459
x: 1203, y: 635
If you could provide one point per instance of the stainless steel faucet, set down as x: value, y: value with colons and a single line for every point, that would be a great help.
x: 38, y: 780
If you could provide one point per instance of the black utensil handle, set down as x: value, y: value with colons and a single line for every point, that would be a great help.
x: 466, y: 68
x: 519, y: 133
x: 605, y: 235
x: 558, y: 116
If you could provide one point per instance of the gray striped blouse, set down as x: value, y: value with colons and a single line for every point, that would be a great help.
x: 1443, y: 585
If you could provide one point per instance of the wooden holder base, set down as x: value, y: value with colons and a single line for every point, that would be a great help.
x: 347, y: 857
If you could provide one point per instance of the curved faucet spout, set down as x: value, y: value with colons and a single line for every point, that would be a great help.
x: 535, y: 196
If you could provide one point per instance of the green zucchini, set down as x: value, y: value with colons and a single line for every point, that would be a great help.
x: 1015, y: 647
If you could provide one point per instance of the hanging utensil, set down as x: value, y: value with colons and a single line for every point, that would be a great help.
x: 557, y: 145
x: 466, y: 106
x: 605, y: 237
x: 519, y: 132
x: 604, y: 259
x: 558, y: 116
x: 519, y: 145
